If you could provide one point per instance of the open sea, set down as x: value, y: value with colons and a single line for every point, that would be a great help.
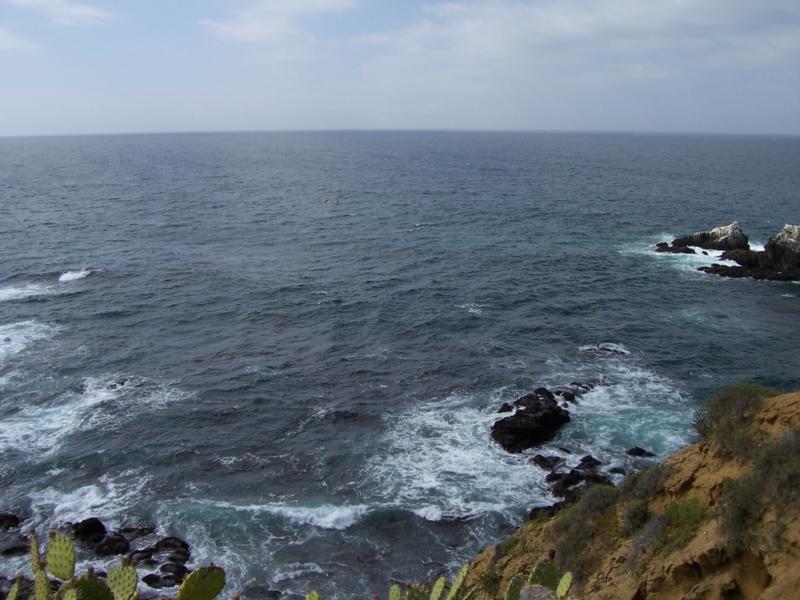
x: 288, y: 348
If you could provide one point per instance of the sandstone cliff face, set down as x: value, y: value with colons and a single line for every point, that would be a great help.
x: 623, y: 567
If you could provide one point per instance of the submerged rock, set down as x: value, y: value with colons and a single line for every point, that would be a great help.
x: 90, y: 531
x: 9, y: 521
x: 637, y: 451
x: 547, y: 462
x: 665, y: 247
x: 538, y: 419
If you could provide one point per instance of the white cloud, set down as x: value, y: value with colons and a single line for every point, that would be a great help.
x: 273, y: 21
x: 66, y: 12
x: 12, y: 41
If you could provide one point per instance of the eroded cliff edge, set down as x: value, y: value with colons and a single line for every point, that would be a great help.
x: 718, y: 519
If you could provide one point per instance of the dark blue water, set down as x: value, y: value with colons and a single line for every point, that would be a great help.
x: 313, y: 331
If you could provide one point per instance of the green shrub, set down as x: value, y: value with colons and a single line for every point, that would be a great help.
x: 774, y: 482
x: 682, y: 521
x: 577, y: 525
x: 645, y: 484
x: 634, y: 516
x: 728, y: 416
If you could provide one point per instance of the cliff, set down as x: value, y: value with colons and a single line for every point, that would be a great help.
x: 718, y: 519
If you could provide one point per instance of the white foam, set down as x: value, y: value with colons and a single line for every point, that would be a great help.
x: 325, y: 516
x: 30, y: 290
x: 608, y: 347
x: 74, y: 275
x: 473, y: 309
x: 41, y: 429
x: 16, y: 337
x: 440, y: 461
x: 683, y: 262
x: 108, y: 498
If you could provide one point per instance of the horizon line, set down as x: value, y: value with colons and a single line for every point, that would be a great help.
x: 404, y: 130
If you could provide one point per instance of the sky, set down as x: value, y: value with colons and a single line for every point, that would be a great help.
x: 105, y: 66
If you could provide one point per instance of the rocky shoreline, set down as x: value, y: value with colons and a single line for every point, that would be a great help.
x: 778, y: 261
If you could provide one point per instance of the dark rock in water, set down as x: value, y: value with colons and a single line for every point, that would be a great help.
x: 142, y: 556
x: 780, y: 260
x: 134, y: 533
x: 536, y: 423
x: 506, y: 407
x: 13, y: 544
x: 665, y: 247
x: 618, y: 471
x: 171, y: 543
x: 588, y: 462
x: 564, y: 481
x: 153, y: 580
x: 546, y: 462
x: 721, y: 237
x: 637, y: 451
x: 112, y: 545
x: 179, y: 556
x: 178, y: 571
x: 91, y: 530
x: 256, y: 590
x: 567, y: 394
x: 9, y: 521
x: 548, y: 511
x: 544, y: 393
x: 566, y: 450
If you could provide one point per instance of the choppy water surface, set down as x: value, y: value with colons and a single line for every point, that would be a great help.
x: 289, y: 348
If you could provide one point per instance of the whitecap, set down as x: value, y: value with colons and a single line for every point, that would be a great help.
x: 438, y: 460
x: 473, y: 309
x: 325, y: 516
x: 109, y: 497
x: 16, y: 337
x: 74, y: 275
x: 606, y: 347
x: 31, y: 290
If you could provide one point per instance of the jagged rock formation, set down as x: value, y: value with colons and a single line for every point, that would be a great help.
x: 779, y: 261
x: 721, y: 237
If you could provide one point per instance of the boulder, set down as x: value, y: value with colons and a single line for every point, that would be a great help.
x: 637, y: 451
x: 546, y: 462
x: 780, y: 260
x: 506, y: 407
x: 588, y: 462
x: 9, y: 521
x: 665, y: 247
x: 537, y: 420
x: 721, y: 237
x: 91, y: 530
x: 112, y: 545
x: 13, y: 544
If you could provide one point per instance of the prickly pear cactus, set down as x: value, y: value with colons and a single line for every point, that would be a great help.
x: 13, y: 591
x: 394, y: 592
x: 515, y: 587
x: 458, y: 582
x: 203, y: 584
x: 61, y: 556
x: 563, y: 586
x: 36, y: 558
x: 438, y: 588
x: 89, y: 587
x: 312, y: 595
x: 41, y: 586
x: 122, y: 581
x: 545, y: 574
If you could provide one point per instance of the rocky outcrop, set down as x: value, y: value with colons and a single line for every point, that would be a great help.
x: 721, y: 237
x: 779, y: 261
x: 537, y: 419
x: 702, y: 566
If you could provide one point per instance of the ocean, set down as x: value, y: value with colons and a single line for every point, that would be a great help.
x: 288, y: 348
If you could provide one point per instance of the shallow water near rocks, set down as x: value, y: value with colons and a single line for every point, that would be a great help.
x: 191, y: 336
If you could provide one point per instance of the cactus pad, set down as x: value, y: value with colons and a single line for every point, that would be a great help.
x: 36, y: 558
x: 563, y: 586
x: 545, y: 574
x: 515, y: 587
x: 394, y: 592
x: 459, y: 581
x: 438, y: 588
x: 90, y: 587
x: 61, y: 556
x: 122, y: 580
x: 41, y: 586
x: 13, y: 591
x: 203, y: 584
x: 312, y: 595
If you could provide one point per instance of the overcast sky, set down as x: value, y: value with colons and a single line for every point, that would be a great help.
x: 95, y: 66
